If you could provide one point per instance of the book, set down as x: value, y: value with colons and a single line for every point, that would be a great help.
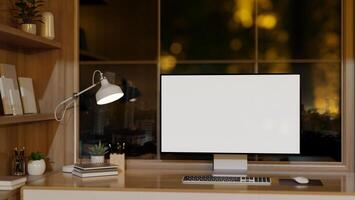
x: 94, y: 174
x: 11, y: 187
x: 91, y: 166
x: 15, y: 100
x: 94, y: 170
x: 12, y: 180
x: 6, y: 85
x: 9, y: 71
x: 27, y: 95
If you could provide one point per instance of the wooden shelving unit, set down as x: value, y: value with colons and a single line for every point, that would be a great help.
x: 15, y: 37
x: 26, y: 118
x: 51, y: 65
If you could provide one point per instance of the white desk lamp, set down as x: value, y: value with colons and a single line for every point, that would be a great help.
x: 106, y: 94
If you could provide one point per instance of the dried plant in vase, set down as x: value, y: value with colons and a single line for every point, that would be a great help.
x: 27, y: 12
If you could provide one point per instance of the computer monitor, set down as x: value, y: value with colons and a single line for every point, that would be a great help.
x: 230, y: 114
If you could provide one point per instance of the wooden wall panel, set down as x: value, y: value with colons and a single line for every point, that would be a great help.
x: 32, y: 136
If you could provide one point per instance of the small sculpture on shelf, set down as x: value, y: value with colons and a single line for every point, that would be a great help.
x: 27, y: 12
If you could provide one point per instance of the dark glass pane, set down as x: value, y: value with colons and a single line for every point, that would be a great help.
x: 320, y: 110
x: 210, y: 69
x: 119, y: 30
x: 299, y: 29
x: 207, y: 29
x: 126, y: 120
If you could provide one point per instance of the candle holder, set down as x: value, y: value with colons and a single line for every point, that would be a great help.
x: 18, y: 162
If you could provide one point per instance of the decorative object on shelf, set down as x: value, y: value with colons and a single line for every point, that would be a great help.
x: 18, y: 162
x: 27, y: 12
x: 47, y: 27
x: 11, y: 89
x: 27, y: 95
x: 29, y: 28
x: 97, y: 153
x: 36, y: 165
x: 106, y: 94
x: 117, y: 156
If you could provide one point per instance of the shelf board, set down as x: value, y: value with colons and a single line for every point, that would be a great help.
x: 16, y: 37
x: 119, y: 62
x: 26, y: 118
x: 91, y: 55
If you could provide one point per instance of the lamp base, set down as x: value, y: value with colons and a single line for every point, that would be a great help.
x: 68, y: 168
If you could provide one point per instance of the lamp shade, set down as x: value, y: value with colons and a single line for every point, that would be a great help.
x: 108, y: 93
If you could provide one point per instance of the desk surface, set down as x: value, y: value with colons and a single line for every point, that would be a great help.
x: 170, y: 180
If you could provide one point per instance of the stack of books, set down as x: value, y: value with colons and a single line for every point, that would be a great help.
x: 12, y: 182
x: 95, y: 170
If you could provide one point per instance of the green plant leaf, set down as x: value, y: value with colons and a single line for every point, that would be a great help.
x: 98, y: 149
x: 37, y: 156
x: 27, y: 10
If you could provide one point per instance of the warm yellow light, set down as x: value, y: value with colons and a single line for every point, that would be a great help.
x: 280, y: 68
x: 331, y: 39
x: 265, y: 4
x: 271, y: 54
x: 243, y: 13
x: 326, y: 91
x: 267, y: 21
x: 176, y: 48
x: 167, y: 63
x: 235, y: 44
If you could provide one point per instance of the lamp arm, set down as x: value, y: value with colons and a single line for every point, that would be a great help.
x: 72, y: 98
x: 59, y: 119
x: 75, y: 96
x: 85, y: 90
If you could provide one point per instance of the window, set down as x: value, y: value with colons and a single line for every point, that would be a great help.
x: 211, y: 36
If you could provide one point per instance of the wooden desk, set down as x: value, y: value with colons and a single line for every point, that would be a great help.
x: 154, y: 184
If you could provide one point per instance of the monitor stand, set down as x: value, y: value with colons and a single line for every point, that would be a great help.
x: 230, y: 165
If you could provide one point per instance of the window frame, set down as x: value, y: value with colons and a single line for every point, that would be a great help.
x: 347, y: 106
x: 347, y: 102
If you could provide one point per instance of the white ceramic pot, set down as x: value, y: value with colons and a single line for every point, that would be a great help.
x: 29, y: 28
x: 97, y: 159
x: 36, y: 167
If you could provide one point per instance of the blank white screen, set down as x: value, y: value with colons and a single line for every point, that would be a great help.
x: 230, y: 113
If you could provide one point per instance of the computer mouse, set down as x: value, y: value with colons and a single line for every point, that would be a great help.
x: 301, y: 180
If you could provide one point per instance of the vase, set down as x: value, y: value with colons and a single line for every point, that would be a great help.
x: 29, y: 28
x: 47, y: 27
x: 97, y: 159
x: 36, y: 167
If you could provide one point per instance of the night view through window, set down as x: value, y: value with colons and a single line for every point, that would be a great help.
x: 206, y: 37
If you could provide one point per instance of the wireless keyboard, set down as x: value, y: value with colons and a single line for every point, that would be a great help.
x: 227, y: 180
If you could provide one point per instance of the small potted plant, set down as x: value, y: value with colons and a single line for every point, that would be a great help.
x: 27, y: 11
x: 97, y: 153
x: 36, y: 164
